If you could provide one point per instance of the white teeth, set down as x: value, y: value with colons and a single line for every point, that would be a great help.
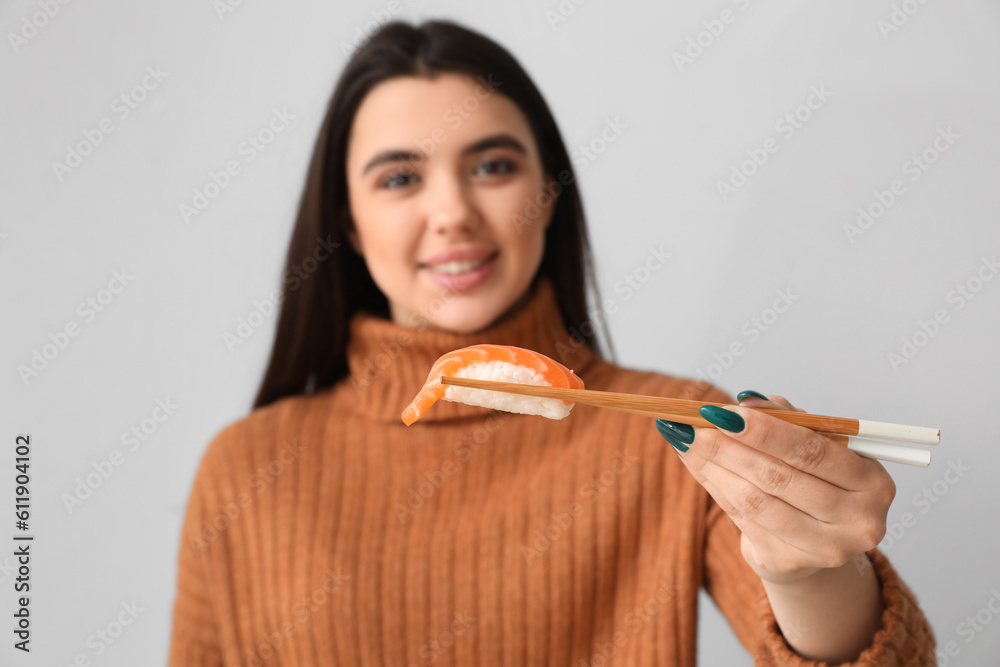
x: 457, y: 267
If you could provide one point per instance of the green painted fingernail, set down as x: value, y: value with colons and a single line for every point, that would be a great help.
x: 683, y: 432
x: 749, y: 393
x: 678, y: 435
x: 725, y: 419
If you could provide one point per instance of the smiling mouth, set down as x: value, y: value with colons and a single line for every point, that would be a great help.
x: 458, y: 267
x: 454, y: 268
x: 462, y: 274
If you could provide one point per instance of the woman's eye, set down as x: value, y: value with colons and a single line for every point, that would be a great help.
x: 500, y: 166
x: 395, y: 180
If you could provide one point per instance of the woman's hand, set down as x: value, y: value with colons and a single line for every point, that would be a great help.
x: 802, y: 501
x: 806, y: 507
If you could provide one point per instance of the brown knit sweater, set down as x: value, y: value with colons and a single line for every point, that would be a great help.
x: 322, y: 531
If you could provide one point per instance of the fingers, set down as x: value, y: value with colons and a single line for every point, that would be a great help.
x: 786, y: 538
x: 801, y: 499
x: 794, y: 518
x: 797, y: 446
x: 811, y: 495
x: 875, y: 473
x: 756, y: 479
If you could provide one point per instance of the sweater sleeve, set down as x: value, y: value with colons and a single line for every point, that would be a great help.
x: 194, y: 636
x: 904, y: 639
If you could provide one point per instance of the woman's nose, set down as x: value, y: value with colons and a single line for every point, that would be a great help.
x: 451, y: 210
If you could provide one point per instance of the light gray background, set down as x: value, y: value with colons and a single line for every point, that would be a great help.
x: 655, y: 184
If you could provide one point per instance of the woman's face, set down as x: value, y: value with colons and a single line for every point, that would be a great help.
x: 445, y: 185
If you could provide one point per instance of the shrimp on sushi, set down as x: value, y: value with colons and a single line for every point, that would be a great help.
x: 499, y: 363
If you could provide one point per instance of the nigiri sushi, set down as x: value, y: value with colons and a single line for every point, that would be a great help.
x: 500, y: 363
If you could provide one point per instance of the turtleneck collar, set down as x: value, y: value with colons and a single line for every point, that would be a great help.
x: 389, y: 362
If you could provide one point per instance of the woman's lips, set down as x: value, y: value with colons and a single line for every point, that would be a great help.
x: 453, y: 275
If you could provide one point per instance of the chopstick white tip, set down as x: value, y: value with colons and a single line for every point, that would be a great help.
x: 919, y: 435
x: 889, y: 452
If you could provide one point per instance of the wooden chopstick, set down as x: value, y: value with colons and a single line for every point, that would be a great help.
x: 684, y: 411
x: 687, y: 413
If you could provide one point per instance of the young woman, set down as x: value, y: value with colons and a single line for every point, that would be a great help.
x: 441, y: 211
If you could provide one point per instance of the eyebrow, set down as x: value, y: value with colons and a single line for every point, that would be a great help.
x: 493, y: 141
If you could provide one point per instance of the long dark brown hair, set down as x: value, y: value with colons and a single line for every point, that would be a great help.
x: 323, y: 288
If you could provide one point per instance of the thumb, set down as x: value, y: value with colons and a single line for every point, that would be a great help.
x: 755, y: 399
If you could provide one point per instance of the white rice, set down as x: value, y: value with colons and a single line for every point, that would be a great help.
x: 504, y: 371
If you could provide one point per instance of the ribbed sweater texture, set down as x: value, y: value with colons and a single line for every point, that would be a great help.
x: 321, y: 530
